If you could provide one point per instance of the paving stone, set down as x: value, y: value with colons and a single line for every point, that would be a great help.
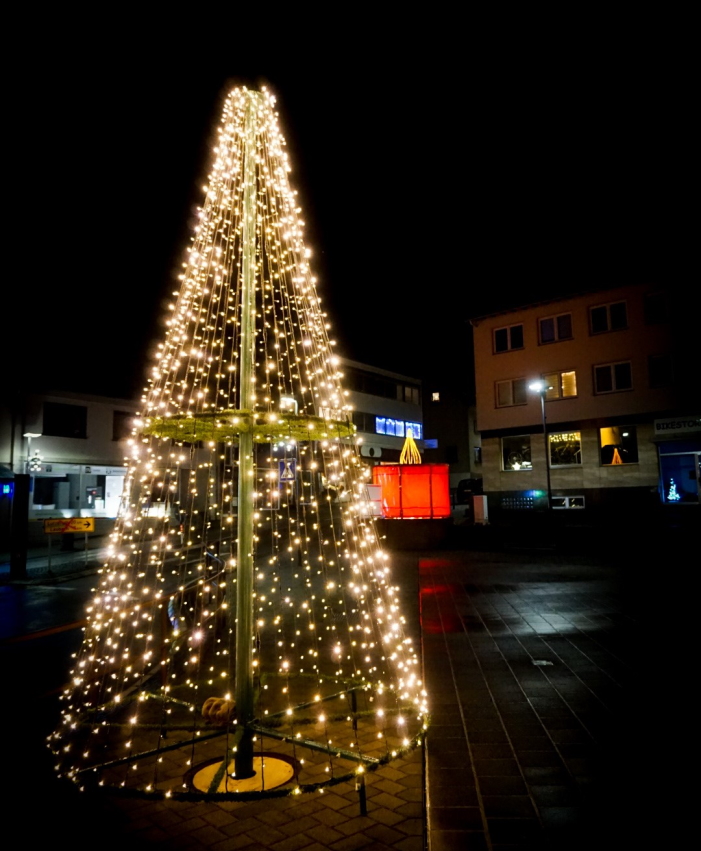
x: 351, y: 843
x: 297, y: 825
x: 293, y: 843
x: 208, y: 835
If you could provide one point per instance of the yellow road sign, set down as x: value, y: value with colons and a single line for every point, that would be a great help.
x: 59, y: 525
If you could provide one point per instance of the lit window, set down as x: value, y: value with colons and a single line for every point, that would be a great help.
x: 554, y: 328
x: 619, y: 445
x: 511, y: 392
x: 509, y: 338
x: 436, y: 397
x: 560, y: 385
x: 612, y: 377
x: 398, y: 428
x: 415, y: 429
x: 565, y: 448
x: 516, y: 452
x: 608, y: 317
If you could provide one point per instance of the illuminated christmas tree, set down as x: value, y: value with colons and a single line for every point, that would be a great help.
x: 673, y: 493
x: 245, y: 638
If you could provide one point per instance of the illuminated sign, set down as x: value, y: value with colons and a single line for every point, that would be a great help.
x: 678, y: 425
x: 565, y: 437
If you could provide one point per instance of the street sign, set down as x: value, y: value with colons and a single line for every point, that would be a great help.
x: 60, y: 525
x: 287, y: 470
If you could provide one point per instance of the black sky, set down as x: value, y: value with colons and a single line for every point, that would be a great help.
x: 428, y: 199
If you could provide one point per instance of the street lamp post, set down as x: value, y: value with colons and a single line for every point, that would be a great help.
x: 20, y: 514
x: 29, y: 435
x: 542, y: 388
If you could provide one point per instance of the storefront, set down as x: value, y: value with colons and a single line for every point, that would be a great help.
x: 678, y: 442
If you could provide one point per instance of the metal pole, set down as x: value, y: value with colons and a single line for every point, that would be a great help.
x: 244, y: 554
x: 545, y: 441
x: 18, y: 526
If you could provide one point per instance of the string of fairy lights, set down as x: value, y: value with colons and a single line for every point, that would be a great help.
x: 327, y: 617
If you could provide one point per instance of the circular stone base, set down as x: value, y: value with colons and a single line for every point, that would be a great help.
x: 270, y: 772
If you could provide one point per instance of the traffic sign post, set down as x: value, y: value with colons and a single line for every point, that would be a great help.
x: 62, y: 525
x: 68, y: 525
x: 287, y: 470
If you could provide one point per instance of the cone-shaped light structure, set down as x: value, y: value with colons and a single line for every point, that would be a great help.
x: 245, y: 638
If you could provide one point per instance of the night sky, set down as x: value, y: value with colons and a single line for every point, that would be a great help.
x: 428, y: 199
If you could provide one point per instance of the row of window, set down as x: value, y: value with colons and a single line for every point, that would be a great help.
x: 602, y: 319
x: 372, y: 424
x: 65, y: 420
x: 380, y: 385
x: 617, y: 445
x: 608, y: 378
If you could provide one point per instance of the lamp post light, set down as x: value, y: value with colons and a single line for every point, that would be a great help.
x: 541, y: 387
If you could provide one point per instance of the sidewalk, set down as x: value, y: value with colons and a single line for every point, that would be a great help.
x: 545, y: 731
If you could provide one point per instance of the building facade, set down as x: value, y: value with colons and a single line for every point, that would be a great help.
x: 387, y: 407
x: 617, y: 421
x: 74, y: 447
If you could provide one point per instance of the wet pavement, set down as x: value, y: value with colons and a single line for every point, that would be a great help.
x: 557, y: 722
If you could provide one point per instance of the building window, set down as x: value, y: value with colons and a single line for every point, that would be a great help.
x: 612, y: 377
x: 451, y: 455
x: 555, y: 328
x: 619, y: 445
x: 398, y: 428
x: 61, y: 420
x: 660, y: 371
x: 122, y: 424
x: 435, y: 397
x: 511, y: 392
x: 655, y: 308
x: 561, y: 385
x: 565, y: 448
x: 411, y: 394
x: 567, y: 502
x: 608, y: 317
x: 509, y: 338
x: 415, y: 429
x: 516, y: 452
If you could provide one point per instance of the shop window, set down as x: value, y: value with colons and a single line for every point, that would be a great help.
x: 555, y: 328
x: 612, y: 377
x: 608, y: 317
x: 565, y: 448
x: 122, y: 424
x: 509, y: 338
x: 516, y: 452
x: 62, y: 420
x: 561, y: 385
x: 511, y: 392
x: 660, y: 371
x: 618, y: 445
x: 567, y: 502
